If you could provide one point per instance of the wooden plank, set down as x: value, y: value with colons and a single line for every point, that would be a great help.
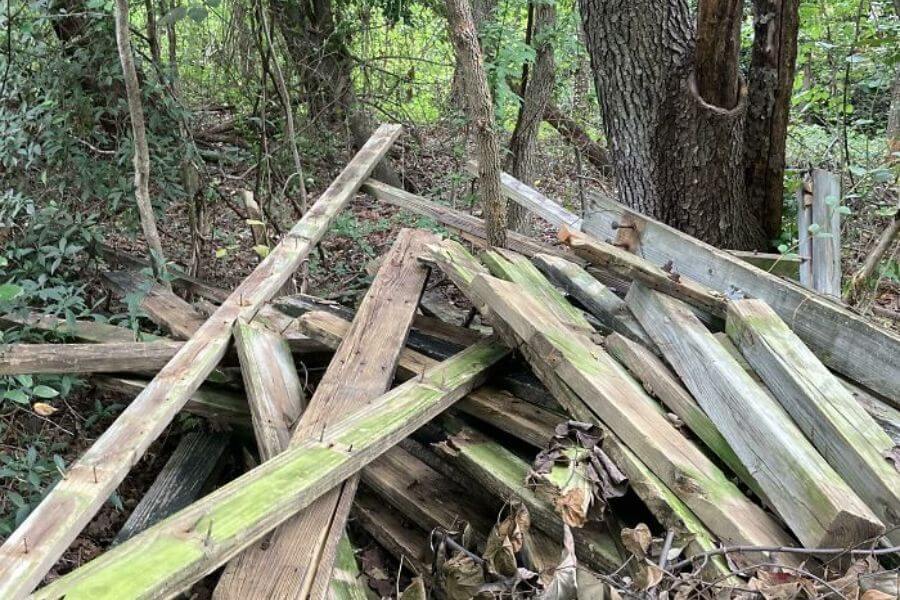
x: 110, y: 357
x: 404, y: 540
x: 362, y: 368
x: 159, y: 302
x: 846, y: 342
x: 219, y: 405
x: 826, y: 242
x: 843, y: 340
x: 456, y: 220
x: 505, y: 475
x: 85, y: 331
x: 68, y: 507
x: 839, y: 428
x: 598, y: 299
x: 804, y: 239
x: 811, y: 498
x: 884, y: 414
x: 783, y: 265
x: 180, y: 482
x: 657, y: 379
x: 171, y: 555
x: 603, y: 386
x: 346, y: 582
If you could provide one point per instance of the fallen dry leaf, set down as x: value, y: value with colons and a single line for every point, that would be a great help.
x: 637, y: 540
x: 43, y: 409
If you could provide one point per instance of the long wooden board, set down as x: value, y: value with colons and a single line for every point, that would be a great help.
x: 298, y: 559
x: 111, y: 357
x: 171, y: 555
x: 31, y: 550
x: 159, y: 302
x: 812, y: 499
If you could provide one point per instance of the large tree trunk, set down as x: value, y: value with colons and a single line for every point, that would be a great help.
x: 141, y: 151
x: 675, y: 124
x: 481, y: 113
x: 319, y: 52
x: 772, y: 64
x: 537, y: 89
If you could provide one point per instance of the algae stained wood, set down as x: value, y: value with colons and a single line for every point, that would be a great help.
x: 89, y: 481
x: 837, y: 425
x: 159, y: 302
x: 808, y: 494
x: 361, y: 369
x: 173, y: 554
x: 623, y: 406
x: 110, y: 357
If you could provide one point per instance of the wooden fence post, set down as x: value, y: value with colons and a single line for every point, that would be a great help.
x: 819, y: 232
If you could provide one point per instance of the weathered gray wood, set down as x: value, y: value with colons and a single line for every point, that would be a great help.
x: 85, y: 331
x: 808, y: 494
x: 159, y: 302
x: 218, y: 405
x: 884, y: 414
x: 846, y: 342
x: 603, y: 386
x: 664, y: 385
x: 180, y: 482
x: 362, y: 368
x: 89, y: 481
x: 598, y: 299
x: 171, y: 555
x: 826, y: 242
x: 804, y: 238
x: 404, y: 541
x: 840, y: 429
x: 784, y: 265
x: 110, y: 357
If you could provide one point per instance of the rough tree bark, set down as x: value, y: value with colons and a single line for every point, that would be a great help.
x: 481, y: 114
x: 675, y: 108
x: 772, y: 63
x: 319, y: 52
x: 141, y: 151
x: 537, y: 87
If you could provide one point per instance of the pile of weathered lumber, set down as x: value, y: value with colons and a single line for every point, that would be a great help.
x: 637, y: 412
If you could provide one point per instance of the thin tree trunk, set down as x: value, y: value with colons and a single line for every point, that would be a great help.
x: 677, y: 157
x: 893, y: 127
x: 481, y: 113
x: 141, y: 151
x: 573, y: 133
x: 152, y: 35
x: 772, y: 63
x: 536, y: 93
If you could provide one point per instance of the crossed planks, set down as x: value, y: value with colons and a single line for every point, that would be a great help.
x: 298, y: 559
x: 34, y: 547
x: 844, y: 341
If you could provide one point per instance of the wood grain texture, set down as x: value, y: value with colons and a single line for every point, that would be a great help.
x: 159, y: 302
x: 296, y: 562
x: 661, y: 383
x: 109, y: 357
x: 173, y: 554
x: 404, y: 540
x: 613, y: 397
x: 836, y: 424
x: 89, y: 481
x: 598, y: 299
x: 826, y: 242
x: 180, y: 482
x: 85, y: 331
x: 809, y: 495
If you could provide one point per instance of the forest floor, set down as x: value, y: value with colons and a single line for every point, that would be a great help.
x: 431, y: 162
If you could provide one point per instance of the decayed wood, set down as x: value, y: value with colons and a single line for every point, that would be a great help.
x: 111, y: 357
x: 159, y: 302
x: 505, y: 475
x: 180, y: 482
x: 826, y: 242
x: 664, y: 385
x: 811, y: 498
x: 345, y: 579
x: 804, y: 237
x: 603, y: 386
x: 85, y: 331
x: 884, y: 414
x: 844, y: 341
x: 459, y: 221
x: 52, y: 526
x: 173, y: 554
x: 404, y: 541
x: 598, y: 299
x: 633, y: 267
x: 362, y: 368
x: 840, y: 429
x: 783, y: 265
x: 216, y: 404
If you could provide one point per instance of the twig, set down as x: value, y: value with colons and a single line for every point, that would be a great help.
x: 783, y: 550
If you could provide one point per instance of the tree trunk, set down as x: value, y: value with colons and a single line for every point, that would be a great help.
x: 677, y: 156
x: 141, y: 151
x: 772, y: 64
x: 152, y: 36
x: 573, y: 133
x: 481, y: 11
x: 481, y: 113
x: 893, y: 126
x: 319, y: 52
x: 535, y: 96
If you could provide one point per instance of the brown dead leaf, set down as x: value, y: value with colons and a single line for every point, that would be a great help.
x: 415, y: 590
x: 876, y: 595
x: 637, y: 540
x: 463, y: 578
x: 43, y: 409
x: 648, y: 576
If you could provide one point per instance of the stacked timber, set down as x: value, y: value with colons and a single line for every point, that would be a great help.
x: 618, y: 425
